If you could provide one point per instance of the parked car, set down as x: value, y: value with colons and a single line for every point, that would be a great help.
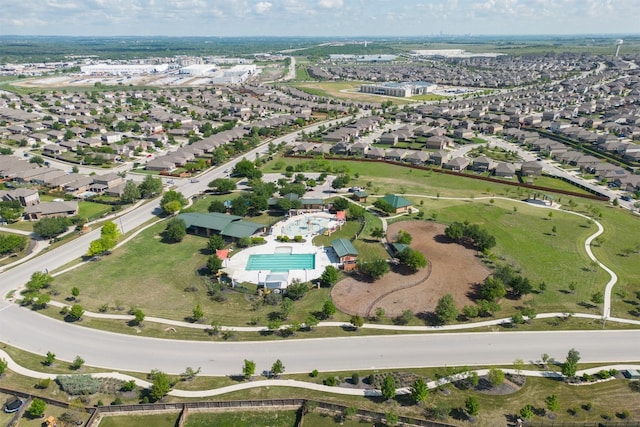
x: 626, y: 198
x: 194, y: 180
x: 13, y: 404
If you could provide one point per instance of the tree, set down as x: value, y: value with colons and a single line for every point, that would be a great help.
x: 197, y: 313
x: 160, y: 387
x: 570, y: 366
x: 297, y: 290
x: 222, y: 185
x: 49, y: 359
x: 518, y: 366
x: 340, y: 204
x: 404, y: 237
x: 446, y: 310
x: 597, y: 297
x: 328, y: 309
x: 286, y: 307
x: 246, y: 168
x: 75, y: 292
x: 189, y: 373
x: 175, y: 231
x: 214, y: 264
x: 311, y: 321
x: 214, y: 243
x: 388, y: 388
x: 492, y: 289
x: 356, y: 321
x: 412, y: 259
x: 249, y: 368
x: 138, y: 316
x: 37, y: 408
x: 552, y: 402
x: 3, y: 366
x: 277, y: 368
x: 96, y: 247
x: 172, y: 201
x: 77, y: 363
x: 217, y: 206
x: 51, y: 227
x: 150, y: 187
x: 76, y: 312
x: 472, y: 405
x: 495, y: 377
x: 130, y: 192
x: 377, y: 232
x: 39, y: 280
x: 527, y: 410
x: 375, y: 268
x: 330, y: 276
x: 384, y: 206
x: 419, y: 391
x: 520, y: 286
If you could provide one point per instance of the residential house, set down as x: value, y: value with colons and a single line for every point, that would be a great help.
x: 505, y: 170
x: 531, y: 168
x: 50, y: 210
x: 458, y: 164
x: 483, y: 164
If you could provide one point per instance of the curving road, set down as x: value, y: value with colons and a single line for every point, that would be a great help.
x: 37, y: 333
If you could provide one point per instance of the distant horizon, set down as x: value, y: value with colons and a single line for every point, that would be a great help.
x: 317, y: 18
x: 331, y: 37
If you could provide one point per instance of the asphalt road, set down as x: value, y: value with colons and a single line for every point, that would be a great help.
x: 24, y: 329
x: 31, y: 331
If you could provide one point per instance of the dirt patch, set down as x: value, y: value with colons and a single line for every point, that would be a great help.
x: 453, y: 269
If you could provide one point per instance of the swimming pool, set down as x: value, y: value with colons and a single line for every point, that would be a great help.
x: 280, y: 262
x: 308, y: 224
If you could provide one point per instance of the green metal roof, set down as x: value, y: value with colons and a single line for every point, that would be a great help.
x: 398, y: 247
x: 212, y: 221
x: 239, y: 229
x: 397, y: 201
x: 344, y: 247
x: 311, y: 202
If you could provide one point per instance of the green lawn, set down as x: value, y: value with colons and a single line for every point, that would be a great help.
x: 155, y: 420
x: 381, y: 178
x: 272, y: 418
x: 92, y: 210
x: 526, y: 241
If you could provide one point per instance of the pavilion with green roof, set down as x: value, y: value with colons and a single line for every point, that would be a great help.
x: 399, y: 203
x: 232, y: 226
x: 346, y: 252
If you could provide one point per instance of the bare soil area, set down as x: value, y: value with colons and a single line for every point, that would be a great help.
x: 453, y: 269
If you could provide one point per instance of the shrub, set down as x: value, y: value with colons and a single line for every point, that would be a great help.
x: 76, y: 385
x: 355, y: 378
x: 331, y: 381
x: 314, y: 373
x: 44, y: 383
x: 258, y: 241
x: 117, y: 401
x: 297, y: 238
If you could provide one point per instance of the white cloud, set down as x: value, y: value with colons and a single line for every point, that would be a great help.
x: 330, y: 4
x: 262, y: 7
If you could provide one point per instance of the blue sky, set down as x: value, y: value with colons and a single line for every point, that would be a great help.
x: 347, y: 18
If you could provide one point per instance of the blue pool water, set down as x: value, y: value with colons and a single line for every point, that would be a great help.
x: 281, y: 262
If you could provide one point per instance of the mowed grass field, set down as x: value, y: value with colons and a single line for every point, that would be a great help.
x: 607, y: 399
x: 152, y: 275
x: 525, y: 240
x: 386, y: 178
x: 272, y: 418
x: 155, y: 420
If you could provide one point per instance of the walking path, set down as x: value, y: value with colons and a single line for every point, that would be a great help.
x: 351, y: 391
x: 462, y: 326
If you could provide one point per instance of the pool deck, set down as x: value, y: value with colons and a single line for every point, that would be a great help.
x: 235, y: 266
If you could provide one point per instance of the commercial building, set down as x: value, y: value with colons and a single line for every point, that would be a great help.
x: 398, y: 89
x: 123, y: 69
x: 199, y: 69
